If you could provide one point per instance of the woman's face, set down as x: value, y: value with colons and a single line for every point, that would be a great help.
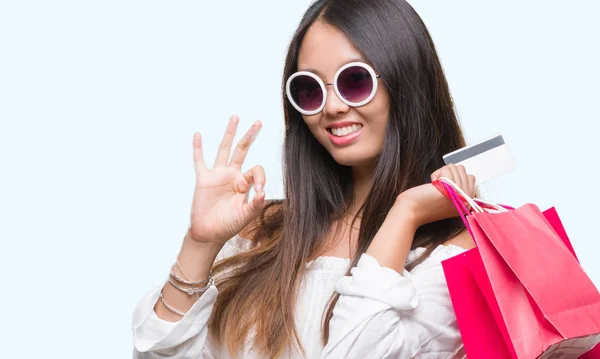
x: 323, y: 51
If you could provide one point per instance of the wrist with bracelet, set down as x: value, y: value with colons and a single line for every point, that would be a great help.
x: 194, y: 287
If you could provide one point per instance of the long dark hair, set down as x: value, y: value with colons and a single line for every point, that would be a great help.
x: 261, y: 290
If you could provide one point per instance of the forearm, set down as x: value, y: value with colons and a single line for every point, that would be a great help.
x: 393, y: 241
x: 196, y: 260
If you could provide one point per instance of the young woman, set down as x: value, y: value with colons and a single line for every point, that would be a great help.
x: 348, y: 264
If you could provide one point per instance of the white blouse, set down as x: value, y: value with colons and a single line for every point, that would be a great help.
x: 379, y: 314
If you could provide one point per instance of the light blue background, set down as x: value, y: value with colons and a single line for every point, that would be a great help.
x: 99, y: 101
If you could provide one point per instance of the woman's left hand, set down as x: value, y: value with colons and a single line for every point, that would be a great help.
x: 427, y: 204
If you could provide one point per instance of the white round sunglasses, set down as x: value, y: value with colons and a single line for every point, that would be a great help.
x: 354, y: 83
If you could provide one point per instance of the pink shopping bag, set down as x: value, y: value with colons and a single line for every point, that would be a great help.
x: 521, y: 293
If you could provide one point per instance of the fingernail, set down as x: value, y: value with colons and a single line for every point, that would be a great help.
x: 258, y: 187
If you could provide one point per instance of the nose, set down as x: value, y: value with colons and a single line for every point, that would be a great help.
x: 334, y: 105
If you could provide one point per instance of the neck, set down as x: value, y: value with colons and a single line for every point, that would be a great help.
x: 362, y: 177
x: 343, y: 244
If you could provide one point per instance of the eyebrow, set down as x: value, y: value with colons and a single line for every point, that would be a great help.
x: 356, y: 59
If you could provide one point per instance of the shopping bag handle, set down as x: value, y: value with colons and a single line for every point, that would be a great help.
x: 461, y: 194
x: 477, y: 204
x: 450, y: 192
x: 459, y: 197
x: 493, y: 207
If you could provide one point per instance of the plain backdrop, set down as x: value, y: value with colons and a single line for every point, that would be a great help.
x: 99, y: 101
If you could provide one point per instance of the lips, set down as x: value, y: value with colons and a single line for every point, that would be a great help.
x: 346, y: 130
x: 343, y: 136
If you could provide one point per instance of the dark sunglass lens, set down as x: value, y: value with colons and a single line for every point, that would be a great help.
x: 306, y: 92
x: 355, y: 84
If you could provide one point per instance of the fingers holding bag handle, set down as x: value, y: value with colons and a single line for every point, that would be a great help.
x: 458, y: 204
x: 459, y: 197
x: 461, y: 194
x: 477, y: 204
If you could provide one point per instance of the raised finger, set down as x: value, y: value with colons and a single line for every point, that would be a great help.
x: 225, y: 147
x: 241, y: 150
x: 199, y: 164
x: 256, y: 175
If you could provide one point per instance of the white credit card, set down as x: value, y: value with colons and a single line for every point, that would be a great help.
x: 485, y: 160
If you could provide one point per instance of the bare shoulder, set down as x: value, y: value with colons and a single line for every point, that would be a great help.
x: 463, y: 239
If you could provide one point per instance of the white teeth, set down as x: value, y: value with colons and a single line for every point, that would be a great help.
x: 346, y: 130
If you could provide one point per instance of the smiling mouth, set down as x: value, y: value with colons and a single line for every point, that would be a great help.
x: 345, y: 131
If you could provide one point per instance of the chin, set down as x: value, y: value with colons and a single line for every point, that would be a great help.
x: 352, y: 158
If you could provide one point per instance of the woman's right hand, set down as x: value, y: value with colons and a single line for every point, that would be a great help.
x: 220, y: 208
